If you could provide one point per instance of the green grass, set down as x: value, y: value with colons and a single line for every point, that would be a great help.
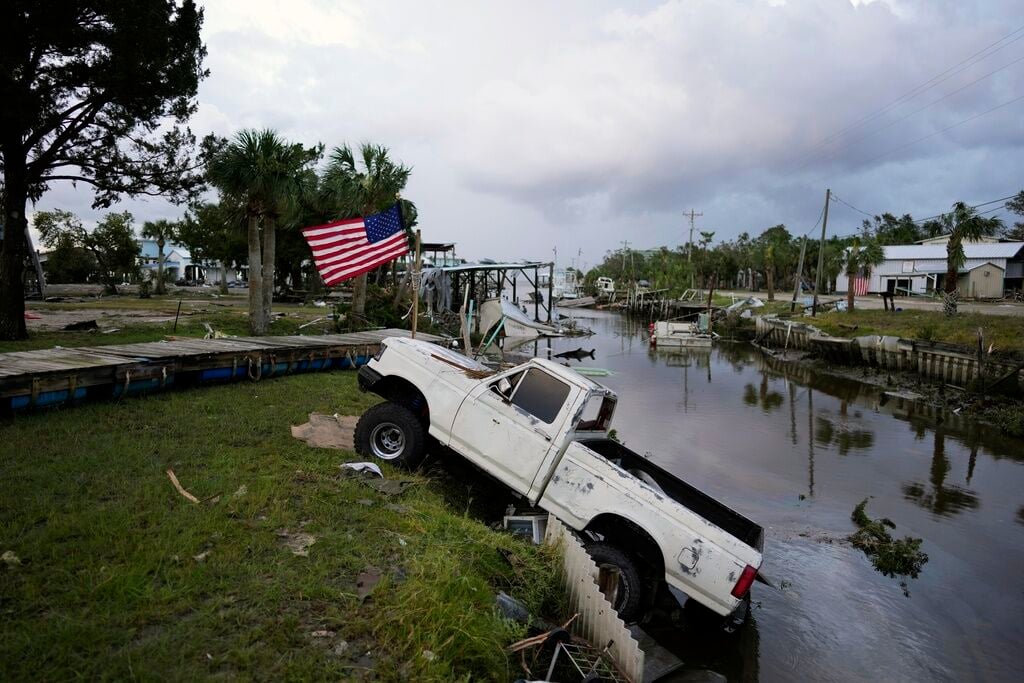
x: 109, y: 586
x: 1004, y: 331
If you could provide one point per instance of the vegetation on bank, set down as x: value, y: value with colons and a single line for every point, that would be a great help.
x: 1003, y: 332
x: 112, y: 574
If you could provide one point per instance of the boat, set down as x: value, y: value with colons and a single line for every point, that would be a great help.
x: 516, y: 323
x: 678, y: 334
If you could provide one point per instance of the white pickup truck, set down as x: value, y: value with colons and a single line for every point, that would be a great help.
x: 542, y: 429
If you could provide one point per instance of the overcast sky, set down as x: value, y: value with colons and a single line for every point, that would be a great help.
x: 582, y: 123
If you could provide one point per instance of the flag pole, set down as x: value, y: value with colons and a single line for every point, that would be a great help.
x: 416, y: 287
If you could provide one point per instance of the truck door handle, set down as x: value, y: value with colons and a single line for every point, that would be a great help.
x: 495, y: 421
x: 546, y: 437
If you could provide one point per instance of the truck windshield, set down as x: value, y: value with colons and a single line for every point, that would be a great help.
x: 541, y: 395
x: 597, y: 414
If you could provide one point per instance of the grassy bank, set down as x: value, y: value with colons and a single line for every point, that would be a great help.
x: 1005, y: 332
x: 120, y: 576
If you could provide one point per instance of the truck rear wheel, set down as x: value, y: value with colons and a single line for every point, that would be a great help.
x: 392, y: 433
x: 629, y: 596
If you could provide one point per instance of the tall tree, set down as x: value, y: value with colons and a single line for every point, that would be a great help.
x: 1016, y: 232
x: 112, y: 243
x: 96, y: 93
x: 861, y: 258
x: 163, y: 231
x: 264, y: 176
x: 961, y: 224
x: 351, y: 189
x: 215, y: 232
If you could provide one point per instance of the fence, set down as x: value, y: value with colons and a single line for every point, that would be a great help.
x: 598, y: 621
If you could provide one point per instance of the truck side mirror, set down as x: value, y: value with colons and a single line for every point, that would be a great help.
x: 505, y: 387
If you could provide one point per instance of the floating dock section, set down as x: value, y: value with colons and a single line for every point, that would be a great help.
x: 67, y: 375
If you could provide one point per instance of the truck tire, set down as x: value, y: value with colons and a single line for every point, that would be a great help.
x: 392, y: 433
x: 631, y: 587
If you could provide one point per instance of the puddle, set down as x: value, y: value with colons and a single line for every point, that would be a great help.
x: 797, y: 451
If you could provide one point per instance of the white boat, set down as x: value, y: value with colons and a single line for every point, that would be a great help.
x: 564, y: 285
x: 678, y: 334
x: 517, y: 323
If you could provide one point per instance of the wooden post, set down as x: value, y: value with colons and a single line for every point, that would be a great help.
x: 536, y: 294
x: 711, y: 294
x: 416, y: 286
x: 821, y: 255
x: 799, y: 274
x: 551, y: 287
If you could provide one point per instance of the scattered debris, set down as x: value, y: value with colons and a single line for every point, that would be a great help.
x: 328, y: 431
x: 890, y: 556
x: 214, y: 334
x: 180, y: 489
x: 242, y: 490
x: 322, y: 634
x: 511, y: 608
x: 363, y: 467
x: 82, y: 325
x: 298, y: 542
x: 365, y: 501
x: 10, y: 559
x: 340, y: 648
x: 367, y: 581
x: 428, y: 655
x: 201, y: 557
x: 389, y: 487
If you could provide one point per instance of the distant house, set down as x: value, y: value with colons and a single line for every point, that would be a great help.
x: 178, y: 264
x: 991, y: 268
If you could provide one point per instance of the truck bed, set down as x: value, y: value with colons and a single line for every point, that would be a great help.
x: 678, y: 490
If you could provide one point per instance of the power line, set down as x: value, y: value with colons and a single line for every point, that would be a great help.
x: 842, y: 201
x: 939, y: 132
x: 973, y: 206
x: 916, y: 111
x: 927, y: 85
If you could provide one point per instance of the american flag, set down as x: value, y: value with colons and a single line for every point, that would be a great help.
x: 344, y: 249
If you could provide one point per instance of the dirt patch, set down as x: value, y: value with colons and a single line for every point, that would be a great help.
x: 46, y: 320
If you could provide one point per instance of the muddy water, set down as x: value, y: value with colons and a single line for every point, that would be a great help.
x: 796, y: 452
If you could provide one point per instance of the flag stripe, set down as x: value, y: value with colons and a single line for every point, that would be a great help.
x: 344, y: 249
x: 367, y: 254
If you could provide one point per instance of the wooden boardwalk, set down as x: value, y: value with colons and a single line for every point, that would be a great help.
x: 59, y: 375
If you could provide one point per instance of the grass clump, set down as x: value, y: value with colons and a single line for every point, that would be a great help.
x: 893, y: 557
x: 121, y: 577
x: 1002, y: 331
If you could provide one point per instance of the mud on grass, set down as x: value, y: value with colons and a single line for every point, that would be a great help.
x: 122, y: 577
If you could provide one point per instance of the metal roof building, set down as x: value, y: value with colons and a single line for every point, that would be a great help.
x: 990, y: 269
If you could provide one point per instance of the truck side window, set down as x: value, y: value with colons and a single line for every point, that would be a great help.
x: 541, y: 395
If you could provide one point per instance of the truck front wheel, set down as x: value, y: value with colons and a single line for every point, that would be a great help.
x: 629, y: 594
x: 391, y: 432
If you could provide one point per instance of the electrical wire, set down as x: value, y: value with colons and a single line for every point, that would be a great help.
x: 875, y: 132
x: 836, y: 197
x: 960, y: 66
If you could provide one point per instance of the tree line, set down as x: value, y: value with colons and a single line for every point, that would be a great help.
x: 771, y: 259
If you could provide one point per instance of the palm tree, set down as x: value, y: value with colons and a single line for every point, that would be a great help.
x: 962, y: 223
x: 351, y: 190
x: 162, y: 231
x: 264, y: 175
x: 860, y: 259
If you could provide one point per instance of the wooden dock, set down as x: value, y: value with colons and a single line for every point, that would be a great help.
x: 63, y: 375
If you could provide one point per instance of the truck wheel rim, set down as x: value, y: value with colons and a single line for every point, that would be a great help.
x: 387, y: 441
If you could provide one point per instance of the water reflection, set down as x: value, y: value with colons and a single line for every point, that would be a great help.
x: 941, y: 498
x: 845, y: 436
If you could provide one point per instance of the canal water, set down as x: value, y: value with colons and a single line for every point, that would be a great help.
x: 797, y: 451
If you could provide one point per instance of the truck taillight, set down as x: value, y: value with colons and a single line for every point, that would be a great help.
x: 380, y: 352
x: 746, y: 579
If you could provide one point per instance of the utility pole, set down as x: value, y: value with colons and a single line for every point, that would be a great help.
x: 689, y: 251
x: 799, y: 274
x: 821, y: 254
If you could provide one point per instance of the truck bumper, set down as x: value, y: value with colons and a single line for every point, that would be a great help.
x: 368, y: 377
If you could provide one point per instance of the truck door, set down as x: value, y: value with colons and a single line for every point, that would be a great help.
x: 507, y: 426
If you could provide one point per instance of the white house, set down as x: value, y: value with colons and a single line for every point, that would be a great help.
x: 990, y: 269
x: 178, y: 264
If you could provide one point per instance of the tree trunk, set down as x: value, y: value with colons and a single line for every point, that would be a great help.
x: 359, y: 296
x: 13, y: 250
x: 160, y: 268
x: 223, y: 277
x: 950, y: 294
x: 771, y: 284
x: 269, y: 254
x: 850, y: 277
x: 257, y: 324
